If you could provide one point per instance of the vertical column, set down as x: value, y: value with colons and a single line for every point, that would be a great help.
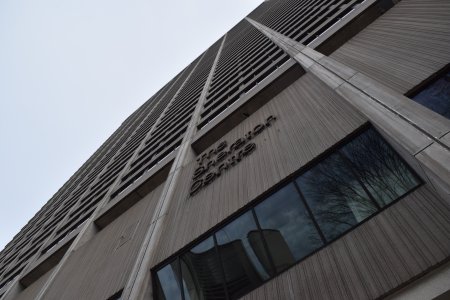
x: 89, y: 228
x: 421, y: 133
x: 141, y: 271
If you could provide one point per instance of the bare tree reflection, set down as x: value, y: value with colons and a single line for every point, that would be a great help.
x: 379, y: 167
x: 342, y: 189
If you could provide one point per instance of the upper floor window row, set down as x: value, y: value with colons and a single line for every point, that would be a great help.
x: 342, y: 190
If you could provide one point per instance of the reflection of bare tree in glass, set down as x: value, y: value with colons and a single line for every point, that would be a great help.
x: 341, y: 189
x: 378, y: 166
x: 337, y: 199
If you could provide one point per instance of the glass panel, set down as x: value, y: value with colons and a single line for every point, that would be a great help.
x: 379, y: 167
x: 244, y: 257
x: 168, y: 286
x: 335, y: 196
x: 436, y: 96
x: 202, y: 272
x: 287, y: 227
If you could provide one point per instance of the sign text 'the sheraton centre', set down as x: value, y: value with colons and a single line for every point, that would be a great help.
x: 215, y: 162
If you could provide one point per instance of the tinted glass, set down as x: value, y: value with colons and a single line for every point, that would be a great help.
x: 287, y: 227
x: 340, y: 191
x: 168, y: 286
x: 436, y: 96
x: 245, y: 261
x: 379, y: 168
x: 336, y: 197
x: 202, y: 273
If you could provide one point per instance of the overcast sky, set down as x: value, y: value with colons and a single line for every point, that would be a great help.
x: 72, y: 71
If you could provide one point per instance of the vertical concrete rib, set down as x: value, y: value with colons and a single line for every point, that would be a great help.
x: 88, y: 228
x: 422, y: 132
x: 141, y: 270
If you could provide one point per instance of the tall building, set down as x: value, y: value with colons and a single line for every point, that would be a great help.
x: 304, y: 155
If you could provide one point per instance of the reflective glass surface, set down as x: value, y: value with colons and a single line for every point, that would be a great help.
x: 245, y: 261
x: 287, y: 227
x: 332, y: 197
x: 379, y: 167
x: 436, y: 96
x: 336, y: 197
x: 168, y: 286
x: 202, y: 273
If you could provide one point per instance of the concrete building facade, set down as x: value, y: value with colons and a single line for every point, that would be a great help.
x: 304, y: 155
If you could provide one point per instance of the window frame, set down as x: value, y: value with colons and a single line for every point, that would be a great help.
x: 291, y: 179
x: 425, y: 83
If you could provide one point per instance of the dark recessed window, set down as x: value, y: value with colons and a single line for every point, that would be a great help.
x: 436, y: 95
x: 336, y: 194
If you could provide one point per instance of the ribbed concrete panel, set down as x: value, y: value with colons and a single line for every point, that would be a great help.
x: 404, y: 46
x: 32, y: 291
x: 102, y: 266
x: 311, y: 119
x: 390, y: 249
x: 223, y: 97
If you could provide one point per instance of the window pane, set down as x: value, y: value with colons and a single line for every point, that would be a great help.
x: 379, y: 167
x: 202, y: 272
x: 287, y: 227
x: 436, y: 96
x: 245, y: 260
x: 168, y: 286
x: 336, y: 198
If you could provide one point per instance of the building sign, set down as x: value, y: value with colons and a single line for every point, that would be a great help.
x: 215, y: 162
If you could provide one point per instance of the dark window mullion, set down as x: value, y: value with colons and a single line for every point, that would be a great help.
x: 222, y: 269
x: 266, y: 248
x: 180, y: 277
x: 313, y: 219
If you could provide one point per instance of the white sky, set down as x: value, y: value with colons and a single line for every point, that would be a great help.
x: 72, y: 71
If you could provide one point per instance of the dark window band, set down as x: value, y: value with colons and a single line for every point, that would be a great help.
x: 332, y: 197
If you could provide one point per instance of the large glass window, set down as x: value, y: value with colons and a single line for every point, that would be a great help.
x: 245, y: 261
x: 167, y: 283
x: 287, y: 227
x: 202, y: 272
x: 379, y: 167
x: 336, y: 197
x: 333, y: 196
